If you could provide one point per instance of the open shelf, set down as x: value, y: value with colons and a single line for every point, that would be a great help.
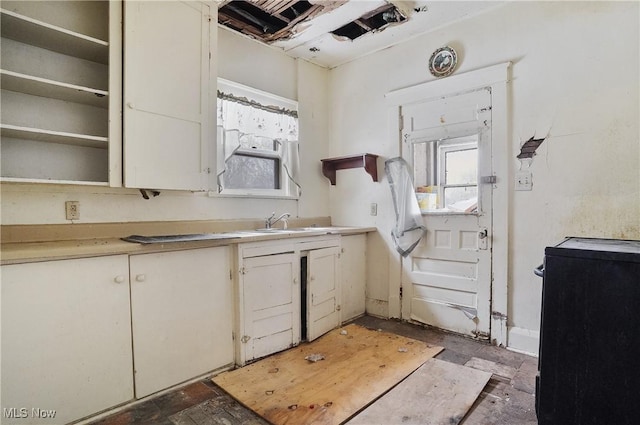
x: 50, y: 136
x: 366, y: 160
x: 44, y: 87
x: 50, y: 181
x: 51, y: 37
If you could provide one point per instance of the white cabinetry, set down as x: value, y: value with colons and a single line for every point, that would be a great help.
x: 269, y: 299
x: 354, y: 248
x: 61, y: 92
x: 66, y: 337
x: 169, y: 94
x: 182, y: 312
x: 278, y: 303
x: 323, y: 291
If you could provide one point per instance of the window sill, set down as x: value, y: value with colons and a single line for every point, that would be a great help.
x: 449, y: 213
x: 213, y: 194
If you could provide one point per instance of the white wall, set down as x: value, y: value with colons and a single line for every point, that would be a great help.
x: 575, y: 76
x: 241, y: 60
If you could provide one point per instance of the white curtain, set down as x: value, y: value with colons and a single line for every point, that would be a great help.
x: 245, y: 124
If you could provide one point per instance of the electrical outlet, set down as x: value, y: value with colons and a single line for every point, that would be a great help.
x: 72, y: 210
x: 524, y: 180
x: 374, y: 209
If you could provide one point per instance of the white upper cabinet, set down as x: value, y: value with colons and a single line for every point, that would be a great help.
x: 169, y: 94
x: 61, y: 92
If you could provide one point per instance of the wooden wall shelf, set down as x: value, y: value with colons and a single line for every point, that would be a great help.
x: 366, y: 160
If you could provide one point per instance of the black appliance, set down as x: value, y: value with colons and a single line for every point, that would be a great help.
x: 589, y: 358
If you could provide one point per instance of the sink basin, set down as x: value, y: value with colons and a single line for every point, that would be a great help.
x: 316, y: 229
x: 279, y: 230
x: 295, y: 230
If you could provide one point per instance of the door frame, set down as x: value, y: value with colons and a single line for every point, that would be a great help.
x: 496, y: 78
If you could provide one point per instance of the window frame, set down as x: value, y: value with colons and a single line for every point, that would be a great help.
x: 288, y: 189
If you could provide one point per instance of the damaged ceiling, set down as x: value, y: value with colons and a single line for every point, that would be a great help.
x: 332, y: 32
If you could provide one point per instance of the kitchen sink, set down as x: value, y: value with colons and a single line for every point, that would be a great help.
x: 296, y: 230
x: 278, y: 230
x: 231, y: 235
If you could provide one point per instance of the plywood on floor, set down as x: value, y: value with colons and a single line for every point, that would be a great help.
x: 437, y: 393
x: 500, y: 370
x: 359, y: 366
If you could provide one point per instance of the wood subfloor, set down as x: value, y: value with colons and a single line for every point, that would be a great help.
x: 359, y: 365
x: 508, y: 398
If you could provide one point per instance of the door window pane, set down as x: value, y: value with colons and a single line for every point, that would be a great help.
x: 461, y: 199
x: 446, y: 174
x: 461, y: 166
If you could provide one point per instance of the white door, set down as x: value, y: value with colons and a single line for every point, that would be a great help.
x: 447, y: 279
x: 323, y: 294
x: 182, y: 316
x: 271, y: 305
x: 168, y: 111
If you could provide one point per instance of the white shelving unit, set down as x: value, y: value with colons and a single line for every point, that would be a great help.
x: 61, y: 92
x: 52, y: 37
x: 23, y: 83
x: 51, y: 136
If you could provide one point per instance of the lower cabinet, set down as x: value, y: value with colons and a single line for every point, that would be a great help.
x: 323, y: 291
x: 354, y: 269
x: 77, y: 334
x: 182, y: 309
x: 271, y: 304
x: 287, y: 291
x: 66, y: 339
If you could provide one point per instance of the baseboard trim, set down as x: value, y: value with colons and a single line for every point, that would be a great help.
x: 378, y: 308
x: 523, y: 340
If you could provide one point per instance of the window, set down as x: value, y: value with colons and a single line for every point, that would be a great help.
x: 446, y: 174
x: 257, y: 142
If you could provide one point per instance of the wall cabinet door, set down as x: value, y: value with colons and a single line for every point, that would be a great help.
x: 169, y: 94
x: 353, y: 268
x: 66, y: 337
x: 270, y: 305
x: 323, y: 291
x: 182, y: 312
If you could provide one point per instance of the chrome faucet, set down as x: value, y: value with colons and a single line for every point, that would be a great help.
x: 270, y: 221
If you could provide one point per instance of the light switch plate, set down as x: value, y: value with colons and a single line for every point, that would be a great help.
x: 373, y: 209
x: 524, y: 180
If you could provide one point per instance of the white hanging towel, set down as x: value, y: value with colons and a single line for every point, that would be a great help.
x: 408, y: 230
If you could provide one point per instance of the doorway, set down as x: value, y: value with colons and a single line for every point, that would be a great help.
x: 446, y: 282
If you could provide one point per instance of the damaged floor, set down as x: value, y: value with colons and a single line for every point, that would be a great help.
x: 507, y: 399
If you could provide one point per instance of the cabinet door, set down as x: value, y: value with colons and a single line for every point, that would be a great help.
x: 182, y: 312
x: 323, y: 291
x: 270, y: 296
x: 66, y: 337
x: 168, y: 94
x: 353, y: 265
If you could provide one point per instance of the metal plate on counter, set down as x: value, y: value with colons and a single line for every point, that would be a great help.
x: 180, y: 238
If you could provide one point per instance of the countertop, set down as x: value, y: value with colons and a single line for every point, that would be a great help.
x: 26, y: 252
